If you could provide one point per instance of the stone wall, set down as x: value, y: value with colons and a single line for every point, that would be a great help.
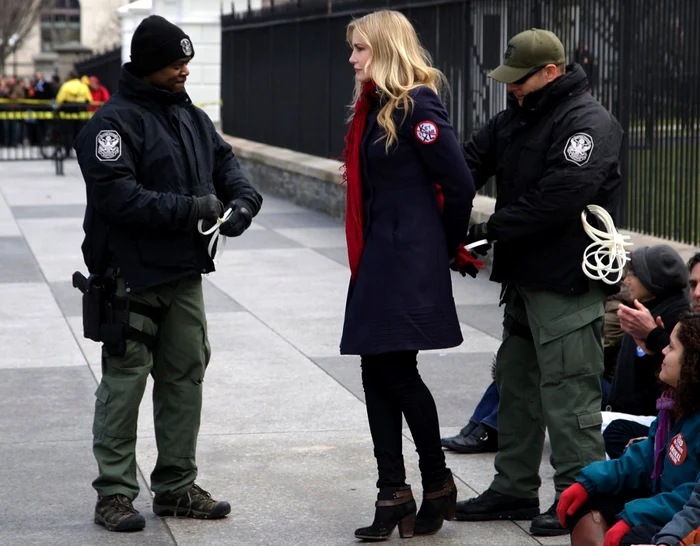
x: 309, y: 181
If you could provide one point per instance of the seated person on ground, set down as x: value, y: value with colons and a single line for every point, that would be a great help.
x: 656, y: 279
x: 628, y: 500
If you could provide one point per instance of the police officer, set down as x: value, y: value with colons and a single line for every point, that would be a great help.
x: 553, y: 151
x: 154, y: 166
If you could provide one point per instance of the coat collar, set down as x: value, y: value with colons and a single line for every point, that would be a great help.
x: 574, y: 82
x: 139, y: 91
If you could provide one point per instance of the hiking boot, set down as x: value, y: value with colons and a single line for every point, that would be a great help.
x: 195, y: 503
x: 547, y: 524
x: 491, y: 505
x: 117, y: 513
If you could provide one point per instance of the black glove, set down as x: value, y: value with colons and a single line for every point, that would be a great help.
x: 207, y: 207
x: 467, y: 269
x: 239, y: 221
x: 477, y: 232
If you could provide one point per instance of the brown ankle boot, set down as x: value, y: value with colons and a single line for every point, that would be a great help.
x: 395, y: 506
x: 439, y: 503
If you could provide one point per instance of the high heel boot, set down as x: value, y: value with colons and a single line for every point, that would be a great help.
x: 439, y: 504
x: 394, y: 506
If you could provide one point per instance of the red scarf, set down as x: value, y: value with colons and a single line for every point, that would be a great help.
x: 352, y: 176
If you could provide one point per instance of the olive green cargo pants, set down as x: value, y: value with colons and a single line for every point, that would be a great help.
x: 177, y: 365
x: 552, y: 381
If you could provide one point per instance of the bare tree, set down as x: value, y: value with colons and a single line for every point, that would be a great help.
x: 110, y: 34
x: 17, y: 17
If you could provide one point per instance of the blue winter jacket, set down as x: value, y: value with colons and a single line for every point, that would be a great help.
x: 633, y: 470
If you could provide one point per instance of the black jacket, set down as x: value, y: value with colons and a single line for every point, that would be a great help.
x: 636, y: 387
x: 551, y: 157
x: 143, y: 156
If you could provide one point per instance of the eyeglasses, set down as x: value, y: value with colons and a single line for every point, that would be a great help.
x: 528, y: 75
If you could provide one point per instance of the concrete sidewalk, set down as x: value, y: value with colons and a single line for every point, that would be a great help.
x: 284, y: 432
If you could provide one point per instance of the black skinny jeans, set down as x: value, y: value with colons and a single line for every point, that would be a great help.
x: 394, y: 388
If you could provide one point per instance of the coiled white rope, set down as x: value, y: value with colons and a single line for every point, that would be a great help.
x: 605, y: 258
x: 214, y: 236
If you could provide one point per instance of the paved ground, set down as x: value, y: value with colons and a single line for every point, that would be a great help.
x: 284, y: 434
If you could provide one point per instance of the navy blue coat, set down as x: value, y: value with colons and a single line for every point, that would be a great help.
x: 402, y: 297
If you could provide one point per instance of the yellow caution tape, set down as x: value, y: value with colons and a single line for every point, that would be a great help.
x: 42, y: 102
x: 45, y: 115
x: 51, y: 114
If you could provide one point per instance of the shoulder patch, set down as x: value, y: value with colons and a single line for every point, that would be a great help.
x: 579, y: 148
x: 427, y: 132
x: 108, y: 146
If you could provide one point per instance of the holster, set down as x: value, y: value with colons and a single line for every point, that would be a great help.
x: 93, y: 304
x: 106, y: 315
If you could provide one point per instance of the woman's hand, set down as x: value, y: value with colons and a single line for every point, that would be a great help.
x: 570, y: 501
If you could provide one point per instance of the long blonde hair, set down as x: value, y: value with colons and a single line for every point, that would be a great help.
x: 397, y: 65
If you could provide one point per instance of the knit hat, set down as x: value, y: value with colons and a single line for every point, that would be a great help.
x: 660, y: 269
x: 156, y: 44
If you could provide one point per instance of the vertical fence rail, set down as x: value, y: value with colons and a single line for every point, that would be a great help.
x: 286, y: 81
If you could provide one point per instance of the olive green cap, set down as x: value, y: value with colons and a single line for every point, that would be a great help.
x: 526, y: 51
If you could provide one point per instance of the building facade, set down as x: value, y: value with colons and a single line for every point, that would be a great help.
x: 93, y: 23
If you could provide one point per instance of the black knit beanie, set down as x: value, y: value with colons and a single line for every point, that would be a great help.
x: 660, y: 269
x: 156, y: 44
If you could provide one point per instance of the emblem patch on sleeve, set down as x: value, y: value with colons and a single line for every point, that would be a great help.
x: 427, y: 132
x: 108, y: 146
x: 579, y: 149
x: 186, y: 47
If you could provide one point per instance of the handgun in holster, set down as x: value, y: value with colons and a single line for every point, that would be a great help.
x: 106, y: 315
x: 94, y: 310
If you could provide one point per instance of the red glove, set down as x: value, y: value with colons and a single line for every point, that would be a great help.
x: 614, y: 535
x: 570, y: 501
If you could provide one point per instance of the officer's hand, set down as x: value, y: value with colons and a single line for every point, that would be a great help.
x: 477, y: 232
x: 239, y: 221
x: 208, y: 208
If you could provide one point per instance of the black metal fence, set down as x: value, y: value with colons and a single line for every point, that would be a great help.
x: 287, y: 81
x: 36, y: 130
x: 106, y: 66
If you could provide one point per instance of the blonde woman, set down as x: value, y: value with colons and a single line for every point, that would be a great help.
x: 399, y: 147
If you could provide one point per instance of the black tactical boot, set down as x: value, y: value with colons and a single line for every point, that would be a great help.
x: 439, y: 501
x: 117, y: 513
x: 491, y: 505
x: 394, y: 506
x: 195, y: 503
x: 547, y: 524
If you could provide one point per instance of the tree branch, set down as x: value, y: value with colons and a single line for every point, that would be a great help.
x: 17, y: 18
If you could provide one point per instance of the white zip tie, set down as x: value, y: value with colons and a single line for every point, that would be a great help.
x: 606, y: 256
x: 213, y: 231
x: 477, y: 243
